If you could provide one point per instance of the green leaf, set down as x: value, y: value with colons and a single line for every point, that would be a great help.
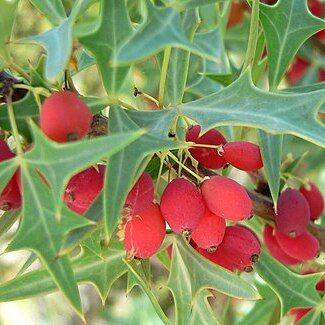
x: 123, y: 167
x: 286, y: 26
x: 224, y: 79
x: 7, y: 169
x: 179, y: 63
x: 186, y: 4
x: 102, y: 271
x: 23, y: 109
x: 243, y: 104
x: 40, y: 232
x: 58, y: 44
x: 271, y: 150
x: 73, y: 157
x: 162, y: 28
x: 190, y: 273
x: 7, y: 219
x: 293, y: 290
x: 7, y: 17
x: 52, y: 9
x: 313, y: 317
x: 138, y: 279
x: 113, y: 28
x: 202, y: 312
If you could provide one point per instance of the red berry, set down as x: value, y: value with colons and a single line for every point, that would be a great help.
x: 314, y: 198
x: 145, y: 232
x: 217, y: 257
x: 10, y: 197
x: 274, y: 248
x: 298, y: 313
x: 141, y: 194
x: 297, y: 69
x: 208, y: 157
x: 304, y: 247
x: 65, y: 117
x: 210, y: 231
x: 226, y: 198
x: 83, y: 188
x: 182, y: 205
x: 316, y: 8
x: 243, y: 155
x: 293, y: 213
x: 241, y: 246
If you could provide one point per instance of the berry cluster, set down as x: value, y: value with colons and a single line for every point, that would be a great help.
x: 290, y: 242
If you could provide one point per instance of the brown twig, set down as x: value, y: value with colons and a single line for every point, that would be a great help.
x: 6, y: 88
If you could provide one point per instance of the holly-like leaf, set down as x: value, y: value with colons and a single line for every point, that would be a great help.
x: 7, y: 17
x: 40, y: 232
x: 271, y: 150
x: 124, y: 166
x: 162, y: 28
x: 58, y: 44
x: 7, y: 219
x: 102, y: 271
x: 179, y: 62
x: 286, y: 26
x: 113, y: 28
x: 187, y: 4
x: 52, y: 9
x: 58, y: 162
x: 190, y: 273
x: 243, y: 104
x: 293, y: 290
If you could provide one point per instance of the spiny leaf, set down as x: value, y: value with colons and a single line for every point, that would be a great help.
x: 190, y: 273
x: 162, y: 28
x: 102, y: 271
x: 72, y: 157
x: 113, y: 28
x: 293, y: 290
x: 286, y: 26
x: 40, y: 232
x: 243, y: 104
x: 52, y: 9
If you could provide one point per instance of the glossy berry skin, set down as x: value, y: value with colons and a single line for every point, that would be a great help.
x: 83, y: 188
x: 208, y: 157
x: 210, y: 231
x: 274, y: 249
x: 293, y: 213
x: 241, y: 246
x: 182, y: 205
x: 217, y: 257
x: 304, y: 247
x: 141, y: 194
x: 65, y: 117
x: 243, y: 155
x: 145, y: 232
x: 10, y: 197
x: 226, y: 198
x: 314, y: 198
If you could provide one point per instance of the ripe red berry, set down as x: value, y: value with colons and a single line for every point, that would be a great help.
x: 304, y: 247
x: 65, y: 117
x: 217, y: 257
x: 208, y: 157
x: 241, y: 246
x: 293, y: 213
x: 274, y: 248
x: 210, y: 231
x: 314, y: 198
x: 243, y: 155
x: 182, y: 205
x: 145, y: 232
x: 316, y: 8
x: 141, y: 194
x: 10, y: 197
x: 226, y: 198
x: 83, y: 188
